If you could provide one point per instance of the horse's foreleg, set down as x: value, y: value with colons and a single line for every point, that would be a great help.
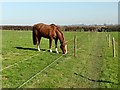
x: 50, y: 44
x: 56, y: 49
x: 38, y: 47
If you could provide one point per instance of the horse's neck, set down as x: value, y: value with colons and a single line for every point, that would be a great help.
x: 60, y: 36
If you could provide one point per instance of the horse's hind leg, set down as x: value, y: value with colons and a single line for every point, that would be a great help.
x: 38, y: 43
x: 56, y: 49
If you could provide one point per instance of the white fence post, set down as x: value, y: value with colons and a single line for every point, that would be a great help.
x: 113, y: 46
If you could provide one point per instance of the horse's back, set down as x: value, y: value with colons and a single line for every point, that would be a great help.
x: 44, y: 30
x: 38, y: 26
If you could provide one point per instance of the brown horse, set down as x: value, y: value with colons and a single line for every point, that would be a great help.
x: 51, y: 32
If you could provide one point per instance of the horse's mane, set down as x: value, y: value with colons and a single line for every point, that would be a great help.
x: 61, y: 33
x: 58, y: 30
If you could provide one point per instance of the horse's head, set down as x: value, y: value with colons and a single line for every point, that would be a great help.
x: 64, y: 47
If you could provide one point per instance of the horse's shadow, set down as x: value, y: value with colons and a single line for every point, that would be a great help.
x: 23, y: 48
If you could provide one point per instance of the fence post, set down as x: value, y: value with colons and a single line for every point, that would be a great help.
x: 75, y: 42
x: 113, y: 46
x: 109, y: 40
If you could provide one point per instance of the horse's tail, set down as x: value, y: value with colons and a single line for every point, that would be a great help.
x: 34, y: 35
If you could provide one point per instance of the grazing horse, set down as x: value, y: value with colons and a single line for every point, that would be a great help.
x: 50, y: 32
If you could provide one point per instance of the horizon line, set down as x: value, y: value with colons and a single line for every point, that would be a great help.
x: 57, y: 24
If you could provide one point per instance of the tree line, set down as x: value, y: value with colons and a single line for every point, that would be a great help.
x: 12, y: 27
x: 99, y: 28
x: 96, y: 28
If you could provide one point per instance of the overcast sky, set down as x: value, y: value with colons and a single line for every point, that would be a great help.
x: 61, y: 13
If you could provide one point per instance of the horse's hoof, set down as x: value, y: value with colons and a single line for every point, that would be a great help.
x: 57, y: 52
x: 64, y: 53
x: 50, y: 50
x: 39, y: 50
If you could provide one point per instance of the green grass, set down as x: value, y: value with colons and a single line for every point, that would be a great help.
x: 94, y: 62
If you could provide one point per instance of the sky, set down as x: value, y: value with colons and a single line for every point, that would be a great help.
x: 60, y: 13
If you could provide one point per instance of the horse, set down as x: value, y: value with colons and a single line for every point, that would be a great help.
x: 50, y: 32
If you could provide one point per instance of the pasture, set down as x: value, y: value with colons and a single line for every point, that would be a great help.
x: 24, y: 67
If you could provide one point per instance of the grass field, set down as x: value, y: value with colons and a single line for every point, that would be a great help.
x: 24, y: 67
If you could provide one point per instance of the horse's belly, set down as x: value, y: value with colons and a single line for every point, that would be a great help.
x: 47, y: 34
x: 44, y: 35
